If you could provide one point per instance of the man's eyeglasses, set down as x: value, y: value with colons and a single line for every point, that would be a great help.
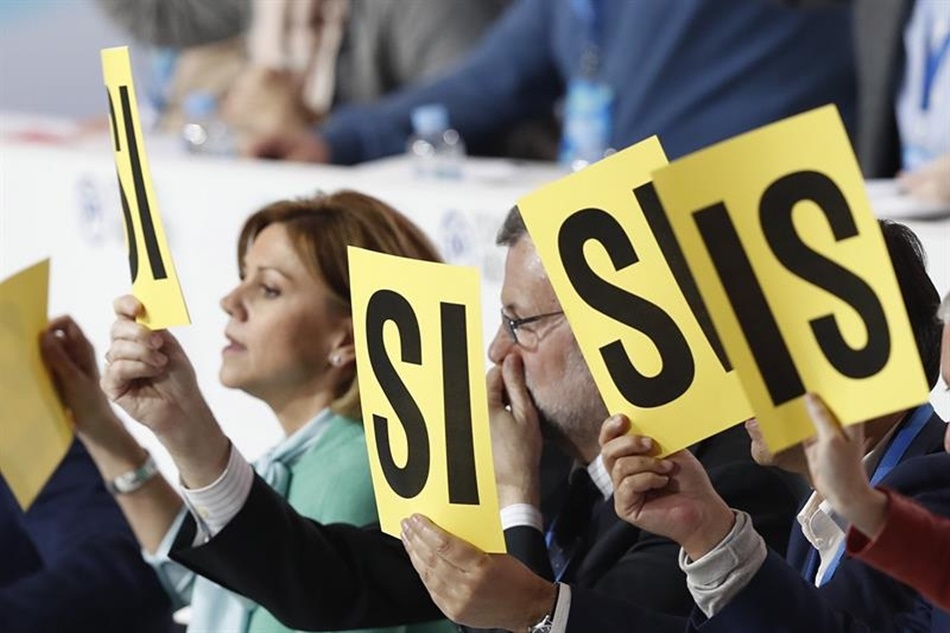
x: 513, y: 325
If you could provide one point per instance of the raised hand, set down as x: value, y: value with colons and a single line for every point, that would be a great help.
x: 834, y: 462
x: 301, y: 146
x: 516, y: 435
x: 150, y: 377
x: 71, y: 360
x: 474, y: 588
x: 672, y: 497
x: 930, y: 182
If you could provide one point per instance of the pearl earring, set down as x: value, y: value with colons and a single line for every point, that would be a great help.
x: 335, y: 359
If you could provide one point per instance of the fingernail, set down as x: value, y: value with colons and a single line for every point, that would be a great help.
x: 161, y: 359
x: 646, y: 442
x: 666, y: 465
x: 155, y: 341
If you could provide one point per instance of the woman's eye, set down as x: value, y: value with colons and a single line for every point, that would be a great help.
x: 270, y: 291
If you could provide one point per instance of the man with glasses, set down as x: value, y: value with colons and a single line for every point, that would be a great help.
x: 322, y: 577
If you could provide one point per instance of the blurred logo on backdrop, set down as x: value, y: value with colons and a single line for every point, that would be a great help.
x: 98, y: 212
x: 468, y: 239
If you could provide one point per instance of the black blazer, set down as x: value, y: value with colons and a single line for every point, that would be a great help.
x: 622, y: 567
x: 325, y: 577
x: 71, y: 563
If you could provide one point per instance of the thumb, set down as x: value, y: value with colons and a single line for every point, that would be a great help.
x: 825, y: 422
x: 613, y: 427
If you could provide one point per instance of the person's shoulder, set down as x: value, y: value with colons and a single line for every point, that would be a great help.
x: 921, y: 474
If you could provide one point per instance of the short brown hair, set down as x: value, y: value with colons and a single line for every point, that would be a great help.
x: 320, y: 228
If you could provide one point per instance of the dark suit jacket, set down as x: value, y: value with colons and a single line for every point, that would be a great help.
x: 858, y: 597
x: 620, y: 561
x: 70, y: 563
x: 879, y: 60
x: 326, y: 577
x: 879, y: 63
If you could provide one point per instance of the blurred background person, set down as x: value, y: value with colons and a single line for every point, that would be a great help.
x: 694, y: 72
x: 70, y: 561
x: 289, y: 343
x: 280, y: 66
x: 903, y: 70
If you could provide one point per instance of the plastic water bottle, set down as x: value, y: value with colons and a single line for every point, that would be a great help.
x: 437, y: 150
x: 204, y: 133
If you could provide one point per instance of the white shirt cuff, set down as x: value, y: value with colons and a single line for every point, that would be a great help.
x: 562, y: 609
x: 725, y: 570
x: 216, y: 504
x: 519, y: 514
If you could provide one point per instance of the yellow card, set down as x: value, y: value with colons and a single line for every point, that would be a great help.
x: 154, y: 281
x: 621, y: 279
x: 417, y: 329
x: 778, y: 230
x: 34, y: 430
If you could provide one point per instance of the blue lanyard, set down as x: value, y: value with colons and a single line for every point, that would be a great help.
x: 933, y: 57
x: 895, y: 452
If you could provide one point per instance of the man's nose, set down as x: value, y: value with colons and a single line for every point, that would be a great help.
x: 500, y: 345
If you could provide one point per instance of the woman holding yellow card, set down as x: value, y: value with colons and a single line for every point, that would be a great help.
x: 290, y: 344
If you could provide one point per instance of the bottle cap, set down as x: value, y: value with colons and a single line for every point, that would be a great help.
x: 431, y: 118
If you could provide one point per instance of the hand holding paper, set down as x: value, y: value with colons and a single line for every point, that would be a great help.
x: 34, y: 430
x: 150, y: 377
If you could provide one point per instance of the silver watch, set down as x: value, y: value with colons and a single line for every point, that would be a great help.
x: 134, y: 479
x: 544, y: 626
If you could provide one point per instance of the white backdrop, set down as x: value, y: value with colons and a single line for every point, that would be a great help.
x: 62, y: 202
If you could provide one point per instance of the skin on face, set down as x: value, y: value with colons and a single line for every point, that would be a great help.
x: 791, y: 459
x: 282, y: 329
x: 556, y: 375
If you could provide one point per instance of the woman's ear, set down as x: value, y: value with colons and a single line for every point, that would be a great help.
x: 343, y: 351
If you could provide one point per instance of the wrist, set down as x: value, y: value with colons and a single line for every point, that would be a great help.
x: 199, y: 449
x: 203, y: 465
x: 866, y: 511
x: 712, y: 530
x: 511, y: 495
x: 541, y: 606
x: 114, y: 452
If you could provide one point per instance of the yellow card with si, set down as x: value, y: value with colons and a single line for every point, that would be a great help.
x: 34, y: 430
x: 154, y: 281
x: 778, y: 230
x: 418, y: 342
x: 633, y: 306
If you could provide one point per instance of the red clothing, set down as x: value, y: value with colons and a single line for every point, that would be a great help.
x: 913, y: 547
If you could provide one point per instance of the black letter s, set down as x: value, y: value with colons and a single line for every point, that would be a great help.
x: 775, y: 210
x: 678, y: 367
x: 386, y: 305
